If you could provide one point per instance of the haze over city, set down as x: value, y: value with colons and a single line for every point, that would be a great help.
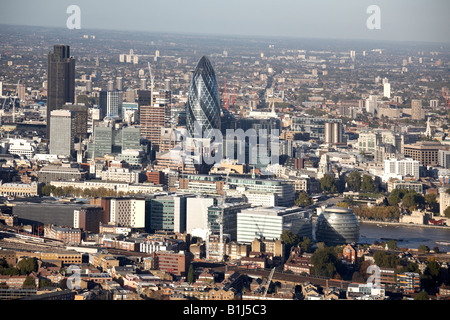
x: 402, y: 20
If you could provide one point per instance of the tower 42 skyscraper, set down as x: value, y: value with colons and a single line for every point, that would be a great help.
x: 61, y: 80
x: 203, y: 106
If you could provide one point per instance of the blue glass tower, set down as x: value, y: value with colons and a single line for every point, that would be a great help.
x: 203, y: 105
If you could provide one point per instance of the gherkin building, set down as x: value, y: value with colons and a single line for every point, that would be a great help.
x: 203, y: 105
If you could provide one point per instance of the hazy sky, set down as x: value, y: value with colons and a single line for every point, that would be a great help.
x: 401, y: 20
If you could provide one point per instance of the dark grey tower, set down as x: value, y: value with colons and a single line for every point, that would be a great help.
x: 61, y: 80
x: 203, y: 106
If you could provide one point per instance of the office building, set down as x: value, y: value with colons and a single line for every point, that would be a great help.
x: 334, y: 133
x: 371, y: 104
x: 61, y: 80
x: 270, y: 222
x: 314, y: 127
x: 65, y: 172
x: 426, y: 152
x: 417, y: 112
x: 386, y: 89
x: 119, y: 83
x: 65, y: 234
x: 197, y: 214
x: 168, y: 213
x: 444, y: 158
x: 88, y: 218
x: 282, y: 191
x: 144, y: 98
x: 417, y: 186
x: 401, y: 168
x: 203, y: 105
x: 367, y: 141
x: 109, y: 139
x: 62, y: 132
x: 128, y: 212
x: 257, y: 191
x: 80, y: 116
x: 122, y: 175
x: 152, y: 119
x: 434, y: 104
x: 39, y: 211
x: 111, y: 104
x: 176, y: 263
x: 225, y: 214
x: 20, y: 147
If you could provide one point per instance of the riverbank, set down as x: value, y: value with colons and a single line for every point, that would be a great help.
x: 404, y: 224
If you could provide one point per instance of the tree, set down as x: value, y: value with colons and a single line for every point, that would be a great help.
x: 342, y: 204
x: 423, y: 248
x: 431, y: 276
x: 27, y: 265
x: 11, y: 271
x: 47, y: 190
x: 29, y: 282
x: 410, y: 267
x: 303, y: 200
x: 325, y: 262
x: 422, y: 296
x: 367, y: 184
x: 290, y: 239
x: 447, y: 212
x: 191, y: 274
x: 353, y: 181
x: 431, y: 202
x: 412, y: 199
x: 396, y: 196
x: 44, y: 283
x: 328, y: 183
x: 306, y: 244
x: 386, y: 260
x: 392, y: 244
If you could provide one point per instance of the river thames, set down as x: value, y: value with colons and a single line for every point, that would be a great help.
x: 406, y: 236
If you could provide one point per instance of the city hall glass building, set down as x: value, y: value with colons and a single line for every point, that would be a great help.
x: 337, y: 226
x: 203, y: 106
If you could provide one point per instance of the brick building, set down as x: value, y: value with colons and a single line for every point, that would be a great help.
x: 176, y: 263
x: 69, y: 235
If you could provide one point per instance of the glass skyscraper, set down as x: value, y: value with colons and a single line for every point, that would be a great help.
x: 203, y: 106
x: 111, y: 104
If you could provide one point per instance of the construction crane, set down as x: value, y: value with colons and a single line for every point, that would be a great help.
x: 269, y: 280
x: 152, y: 83
x: 226, y: 96
x: 14, y: 102
x: 220, y: 221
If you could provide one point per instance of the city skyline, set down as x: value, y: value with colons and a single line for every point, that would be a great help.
x: 401, y: 20
x: 325, y: 174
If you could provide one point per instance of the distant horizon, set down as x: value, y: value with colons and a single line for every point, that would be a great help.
x: 242, y: 36
x: 399, y: 20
